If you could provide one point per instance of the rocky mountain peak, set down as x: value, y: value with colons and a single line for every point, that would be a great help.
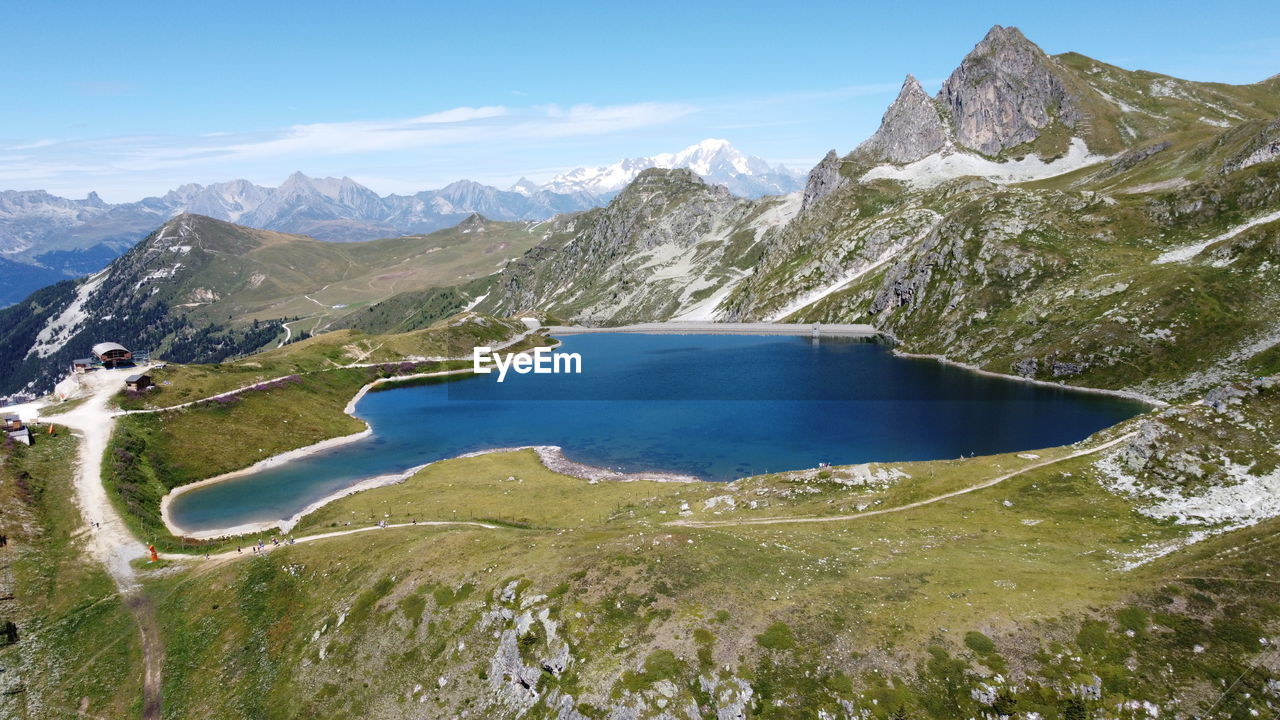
x: 823, y: 179
x: 475, y: 222
x: 653, y: 178
x: 1005, y: 91
x: 911, y: 128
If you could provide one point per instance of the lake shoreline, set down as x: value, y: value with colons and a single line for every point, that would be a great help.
x: 283, y: 458
x: 1126, y: 394
x: 551, y: 456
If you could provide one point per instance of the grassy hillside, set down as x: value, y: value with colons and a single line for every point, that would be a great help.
x: 201, y: 290
x: 293, y: 397
x: 588, y: 601
x: 78, y: 649
x: 408, y: 311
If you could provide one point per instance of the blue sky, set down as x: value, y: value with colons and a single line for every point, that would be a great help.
x: 131, y: 99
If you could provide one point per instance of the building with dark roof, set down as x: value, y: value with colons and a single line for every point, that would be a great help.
x: 141, y: 381
x: 112, y: 354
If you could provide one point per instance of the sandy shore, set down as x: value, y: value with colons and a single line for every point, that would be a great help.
x: 1127, y: 394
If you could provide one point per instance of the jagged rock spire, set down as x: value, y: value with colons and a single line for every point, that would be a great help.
x: 1004, y: 93
x: 911, y: 128
x: 824, y: 178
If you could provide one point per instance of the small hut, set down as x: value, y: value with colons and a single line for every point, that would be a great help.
x: 141, y: 381
x: 83, y: 365
x: 112, y: 354
x: 15, y: 430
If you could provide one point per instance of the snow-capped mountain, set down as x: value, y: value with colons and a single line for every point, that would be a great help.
x: 45, y: 238
x: 717, y: 161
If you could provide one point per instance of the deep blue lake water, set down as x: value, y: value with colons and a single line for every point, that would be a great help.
x: 715, y: 406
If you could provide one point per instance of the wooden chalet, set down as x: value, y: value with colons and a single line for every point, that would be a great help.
x: 141, y: 381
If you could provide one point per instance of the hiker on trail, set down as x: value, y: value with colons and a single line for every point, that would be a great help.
x: 237, y: 549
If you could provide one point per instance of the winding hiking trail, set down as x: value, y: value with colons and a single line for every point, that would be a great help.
x: 909, y: 506
x: 230, y: 555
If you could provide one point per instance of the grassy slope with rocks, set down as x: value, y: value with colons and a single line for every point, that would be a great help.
x: 664, y: 244
x: 600, y: 607
x: 1130, y: 583
x: 78, y: 650
x: 1055, y: 284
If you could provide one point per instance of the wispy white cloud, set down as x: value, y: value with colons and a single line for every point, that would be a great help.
x: 459, y: 114
x: 129, y: 161
x: 33, y: 145
x: 453, y: 128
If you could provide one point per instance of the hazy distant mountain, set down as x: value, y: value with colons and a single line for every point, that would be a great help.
x: 716, y: 161
x: 45, y: 238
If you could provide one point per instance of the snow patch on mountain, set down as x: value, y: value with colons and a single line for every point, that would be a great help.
x: 949, y: 164
x: 60, y: 329
x: 1187, y: 252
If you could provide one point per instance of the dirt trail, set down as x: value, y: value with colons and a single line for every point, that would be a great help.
x: 230, y: 555
x: 109, y: 540
x: 909, y: 506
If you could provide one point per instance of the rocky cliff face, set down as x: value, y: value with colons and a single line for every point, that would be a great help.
x: 1005, y: 92
x: 823, y: 180
x: 910, y: 130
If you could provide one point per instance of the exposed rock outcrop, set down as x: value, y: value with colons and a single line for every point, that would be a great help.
x: 1264, y: 147
x: 1005, y: 92
x: 823, y: 180
x: 910, y: 130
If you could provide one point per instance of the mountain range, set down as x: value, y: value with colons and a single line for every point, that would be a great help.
x: 1050, y: 217
x: 1032, y: 187
x: 45, y: 238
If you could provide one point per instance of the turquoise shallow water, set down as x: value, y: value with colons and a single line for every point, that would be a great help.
x: 715, y: 406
